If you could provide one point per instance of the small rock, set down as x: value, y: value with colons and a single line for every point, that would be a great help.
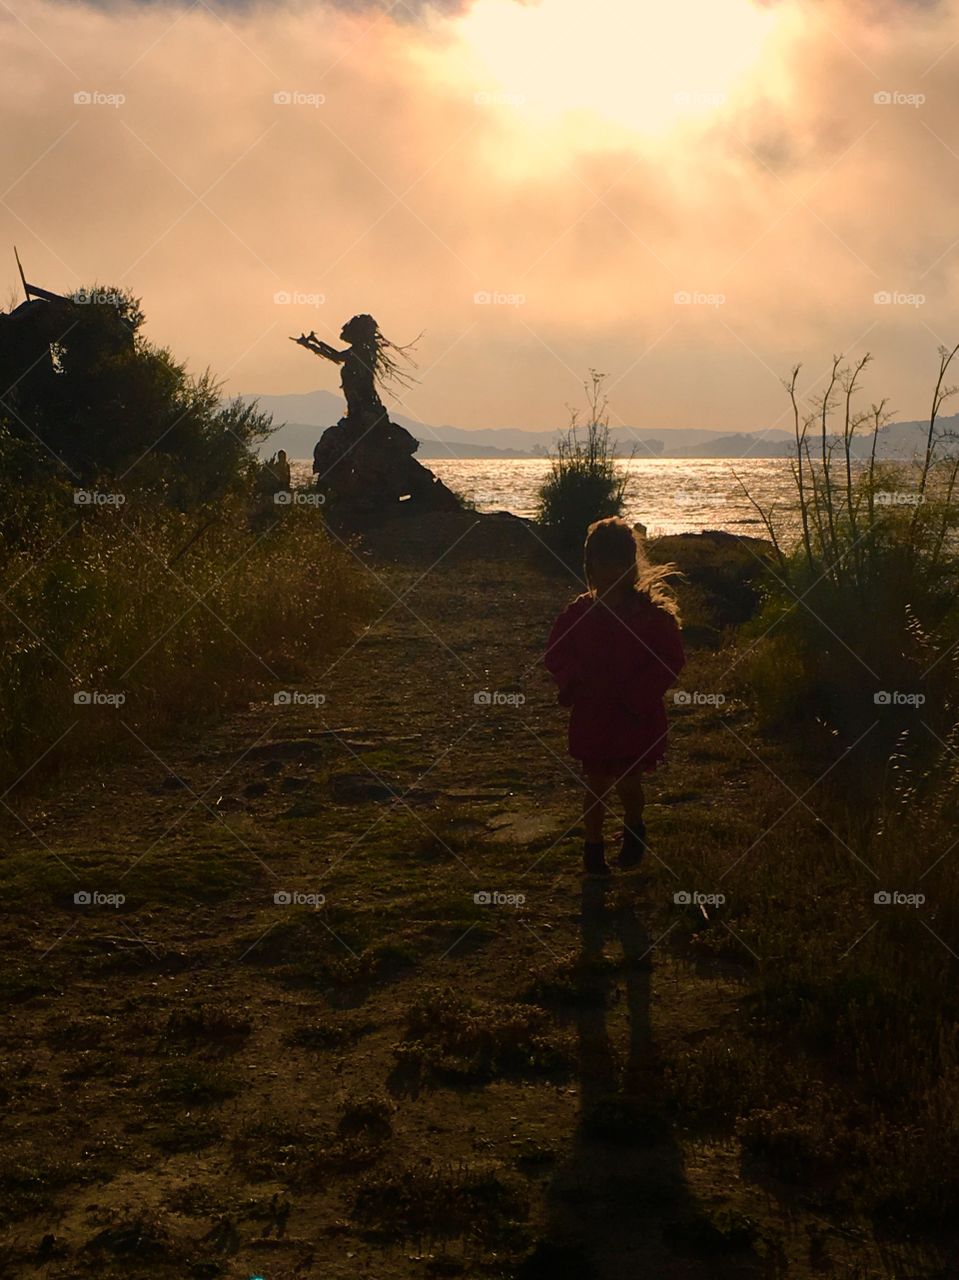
x: 49, y: 1247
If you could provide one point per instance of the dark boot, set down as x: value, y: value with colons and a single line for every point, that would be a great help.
x: 634, y: 845
x: 594, y: 859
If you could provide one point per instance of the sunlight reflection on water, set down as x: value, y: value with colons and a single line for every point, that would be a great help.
x: 668, y: 495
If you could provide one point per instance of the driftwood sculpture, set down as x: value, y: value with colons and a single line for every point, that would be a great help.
x: 365, y: 463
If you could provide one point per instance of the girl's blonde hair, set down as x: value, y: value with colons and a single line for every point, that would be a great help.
x: 613, y: 544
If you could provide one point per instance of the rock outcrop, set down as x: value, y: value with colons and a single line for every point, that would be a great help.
x: 364, y: 464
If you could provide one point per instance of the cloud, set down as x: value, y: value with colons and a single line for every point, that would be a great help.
x: 383, y: 183
x: 398, y: 11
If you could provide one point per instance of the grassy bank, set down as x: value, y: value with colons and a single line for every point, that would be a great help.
x: 147, y: 577
x: 841, y: 1077
x: 838, y: 1074
x: 119, y: 618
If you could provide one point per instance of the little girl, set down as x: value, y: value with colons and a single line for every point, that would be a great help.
x: 614, y: 652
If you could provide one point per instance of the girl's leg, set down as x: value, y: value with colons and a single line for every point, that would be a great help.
x: 630, y: 791
x: 598, y: 788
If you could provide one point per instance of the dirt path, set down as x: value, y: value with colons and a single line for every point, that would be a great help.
x: 397, y: 1080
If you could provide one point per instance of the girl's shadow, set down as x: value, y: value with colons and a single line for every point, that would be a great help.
x: 604, y: 920
x: 620, y: 1205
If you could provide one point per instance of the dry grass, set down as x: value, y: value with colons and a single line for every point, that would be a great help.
x: 105, y: 604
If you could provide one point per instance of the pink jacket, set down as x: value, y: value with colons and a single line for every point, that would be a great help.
x: 613, y: 669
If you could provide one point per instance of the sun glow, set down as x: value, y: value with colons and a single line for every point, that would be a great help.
x: 639, y: 65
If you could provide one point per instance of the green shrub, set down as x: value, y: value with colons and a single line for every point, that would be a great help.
x: 586, y: 481
x: 86, y: 390
x: 861, y: 615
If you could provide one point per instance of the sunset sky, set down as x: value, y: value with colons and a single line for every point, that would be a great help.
x: 690, y: 196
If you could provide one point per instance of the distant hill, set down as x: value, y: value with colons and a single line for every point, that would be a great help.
x: 447, y: 449
x: 302, y: 418
x: 900, y: 441
x: 298, y: 439
x: 741, y: 445
x: 908, y: 439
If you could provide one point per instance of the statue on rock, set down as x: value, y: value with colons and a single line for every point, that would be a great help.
x: 365, y: 463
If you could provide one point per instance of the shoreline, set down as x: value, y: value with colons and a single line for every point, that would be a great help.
x: 667, y: 496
